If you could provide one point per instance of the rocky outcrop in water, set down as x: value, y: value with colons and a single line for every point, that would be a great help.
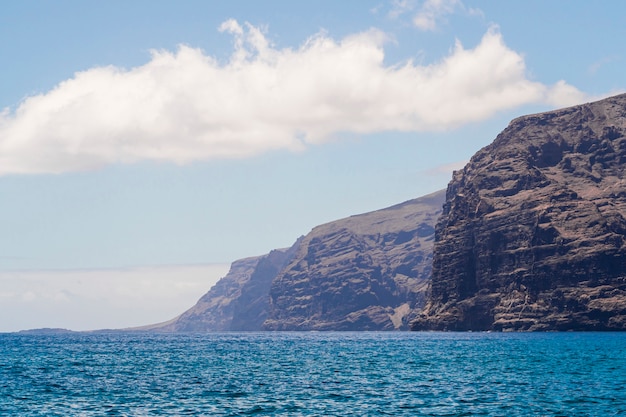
x: 532, y: 235
x: 365, y: 272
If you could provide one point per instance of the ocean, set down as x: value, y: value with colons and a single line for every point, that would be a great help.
x: 313, y: 374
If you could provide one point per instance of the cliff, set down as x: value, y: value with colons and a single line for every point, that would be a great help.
x: 365, y: 272
x: 532, y: 235
x: 238, y: 301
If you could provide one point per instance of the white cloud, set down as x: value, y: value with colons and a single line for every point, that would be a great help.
x: 563, y: 94
x: 98, y: 299
x: 432, y: 11
x: 187, y: 106
x: 400, y: 7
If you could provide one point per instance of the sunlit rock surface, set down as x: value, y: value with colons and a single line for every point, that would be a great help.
x: 532, y: 236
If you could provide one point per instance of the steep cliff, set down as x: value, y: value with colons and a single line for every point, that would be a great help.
x: 365, y: 272
x: 238, y: 301
x: 532, y: 235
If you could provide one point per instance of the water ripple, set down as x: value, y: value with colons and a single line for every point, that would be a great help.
x: 313, y: 374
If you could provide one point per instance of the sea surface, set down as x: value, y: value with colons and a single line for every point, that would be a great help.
x: 313, y: 374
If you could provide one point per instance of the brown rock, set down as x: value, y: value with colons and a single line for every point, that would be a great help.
x: 532, y: 235
x: 365, y: 272
x: 238, y: 301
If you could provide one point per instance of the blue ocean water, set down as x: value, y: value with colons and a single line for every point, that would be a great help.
x: 313, y: 374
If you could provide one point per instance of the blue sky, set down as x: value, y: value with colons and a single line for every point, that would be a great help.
x: 137, y: 135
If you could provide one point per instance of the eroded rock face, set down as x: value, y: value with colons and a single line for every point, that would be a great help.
x: 238, y: 301
x: 532, y: 235
x: 251, y: 307
x: 365, y: 272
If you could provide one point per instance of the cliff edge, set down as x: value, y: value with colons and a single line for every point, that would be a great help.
x: 364, y: 272
x: 532, y: 234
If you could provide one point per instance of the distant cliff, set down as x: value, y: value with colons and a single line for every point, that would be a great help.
x: 365, y: 272
x: 238, y: 301
x: 533, y: 231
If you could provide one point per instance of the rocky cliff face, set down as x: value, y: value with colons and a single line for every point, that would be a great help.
x: 365, y: 272
x: 532, y: 235
x: 239, y: 301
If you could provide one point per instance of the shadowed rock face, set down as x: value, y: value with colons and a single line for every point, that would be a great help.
x: 532, y: 235
x: 239, y: 301
x: 251, y: 307
x: 365, y: 272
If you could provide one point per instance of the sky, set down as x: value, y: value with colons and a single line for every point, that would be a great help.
x: 147, y: 144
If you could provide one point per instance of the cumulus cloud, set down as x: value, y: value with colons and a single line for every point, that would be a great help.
x: 186, y: 106
x: 562, y: 94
